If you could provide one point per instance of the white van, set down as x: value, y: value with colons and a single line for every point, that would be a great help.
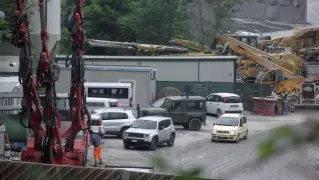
x: 123, y: 92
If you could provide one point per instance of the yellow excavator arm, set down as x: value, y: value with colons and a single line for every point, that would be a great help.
x: 259, y: 57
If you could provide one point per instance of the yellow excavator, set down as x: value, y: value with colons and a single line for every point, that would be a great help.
x: 277, y: 72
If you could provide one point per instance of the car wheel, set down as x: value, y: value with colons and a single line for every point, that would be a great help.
x: 213, y: 140
x: 195, y: 124
x: 126, y: 146
x: 121, y: 134
x: 154, y: 143
x: 246, y: 135
x: 186, y: 126
x: 237, y: 139
x: 171, y: 140
x: 219, y: 113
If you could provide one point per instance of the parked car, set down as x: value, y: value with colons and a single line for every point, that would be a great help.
x: 150, y: 131
x: 230, y: 127
x: 188, y: 111
x: 220, y: 103
x: 96, y: 124
x: 115, y: 120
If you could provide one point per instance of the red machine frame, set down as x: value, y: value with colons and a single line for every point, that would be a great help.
x: 46, y: 144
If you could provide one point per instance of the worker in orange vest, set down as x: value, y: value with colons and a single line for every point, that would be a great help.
x: 96, y: 142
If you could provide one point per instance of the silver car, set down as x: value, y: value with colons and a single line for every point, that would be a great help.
x: 150, y: 131
x: 115, y: 120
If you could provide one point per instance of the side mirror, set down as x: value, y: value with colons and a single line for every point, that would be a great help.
x: 160, y: 127
x: 214, y: 124
x: 241, y: 125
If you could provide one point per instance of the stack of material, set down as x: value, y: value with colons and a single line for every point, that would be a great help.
x: 264, y: 106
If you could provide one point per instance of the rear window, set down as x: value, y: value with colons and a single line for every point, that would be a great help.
x: 113, y: 104
x: 95, y: 104
x: 233, y: 99
x: 95, y: 122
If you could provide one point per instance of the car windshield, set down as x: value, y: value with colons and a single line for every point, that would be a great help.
x: 227, y: 121
x: 144, y: 124
x: 158, y: 103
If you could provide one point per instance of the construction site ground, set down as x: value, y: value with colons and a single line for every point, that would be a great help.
x: 220, y: 160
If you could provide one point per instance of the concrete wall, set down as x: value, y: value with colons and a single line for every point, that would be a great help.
x: 143, y: 90
x: 288, y: 11
x: 176, y: 68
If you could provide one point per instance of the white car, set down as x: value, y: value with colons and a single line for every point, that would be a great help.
x: 96, y: 124
x: 115, y: 120
x: 230, y: 127
x: 221, y: 103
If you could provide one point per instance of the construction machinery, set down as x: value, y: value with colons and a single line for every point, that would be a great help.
x: 47, y: 144
x: 277, y: 72
x: 130, y: 48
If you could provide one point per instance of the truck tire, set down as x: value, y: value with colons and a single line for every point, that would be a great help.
x: 195, y: 124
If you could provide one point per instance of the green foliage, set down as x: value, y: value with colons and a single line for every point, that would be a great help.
x: 189, y: 174
x: 5, y: 32
x: 129, y: 20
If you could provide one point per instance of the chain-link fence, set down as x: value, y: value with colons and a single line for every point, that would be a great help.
x: 246, y: 91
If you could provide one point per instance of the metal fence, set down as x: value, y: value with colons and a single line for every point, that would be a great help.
x: 10, y: 170
x: 245, y: 91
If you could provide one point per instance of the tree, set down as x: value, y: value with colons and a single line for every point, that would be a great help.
x: 157, y: 21
x: 209, y: 18
x: 8, y: 7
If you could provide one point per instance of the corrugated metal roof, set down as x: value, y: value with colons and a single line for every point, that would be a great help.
x: 150, y: 58
x: 5, y: 62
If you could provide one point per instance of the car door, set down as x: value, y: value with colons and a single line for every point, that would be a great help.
x: 161, y: 133
x: 217, y: 104
x: 245, y: 125
x: 176, y: 112
x: 116, y: 120
x: 241, y: 128
x: 168, y: 129
x: 209, y: 101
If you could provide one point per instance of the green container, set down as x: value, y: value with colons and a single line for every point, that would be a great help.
x: 16, y: 132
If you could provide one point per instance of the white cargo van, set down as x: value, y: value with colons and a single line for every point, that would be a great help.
x: 123, y: 92
x: 101, y: 102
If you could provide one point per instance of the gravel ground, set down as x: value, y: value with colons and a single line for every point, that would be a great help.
x: 221, y: 160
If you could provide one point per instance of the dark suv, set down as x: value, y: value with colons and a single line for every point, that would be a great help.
x: 188, y: 111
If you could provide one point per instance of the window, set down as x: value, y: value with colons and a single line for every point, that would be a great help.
x: 227, y: 121
x: 158, y: 103
x: 241, y: 121
x: 219, y: 99
x: 114, y: 115
x: 194, y: 105
x: 61, y: 103
x: 167, y: 103
x: 161, y: 124
x: 116, y: 93
x: 144, y: 124
x: 233, y: 99
x: 210, y: 98
x: 95, y: 104
x: 167, y: 123
x: 177, y: 106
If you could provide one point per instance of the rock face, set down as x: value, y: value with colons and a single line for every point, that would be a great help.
x: 286, y: 11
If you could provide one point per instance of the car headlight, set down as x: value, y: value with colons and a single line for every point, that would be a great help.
x: 232, y: 132
x: 145, y: 135
x: 214, y: 131
x: 126, y: 134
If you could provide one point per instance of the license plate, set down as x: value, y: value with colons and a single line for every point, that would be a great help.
x: 134, y: 140
x: 234, y: 106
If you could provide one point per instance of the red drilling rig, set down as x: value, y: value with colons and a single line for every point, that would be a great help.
x: 48, y: 144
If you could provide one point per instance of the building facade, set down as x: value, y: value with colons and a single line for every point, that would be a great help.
x: 140, y: 77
